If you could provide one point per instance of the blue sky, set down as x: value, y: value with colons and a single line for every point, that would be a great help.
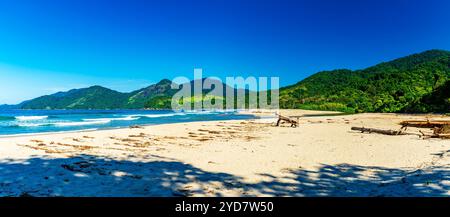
x: 52, y: 45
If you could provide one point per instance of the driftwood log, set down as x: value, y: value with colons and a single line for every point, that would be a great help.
x: 379, y: 131
x: 441, y: 129
x: 444, y: 129
x: 424, y: 124
x: 281, y: 118
x: 434, y: 135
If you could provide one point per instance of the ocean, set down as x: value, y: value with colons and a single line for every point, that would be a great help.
x: 14, y: 122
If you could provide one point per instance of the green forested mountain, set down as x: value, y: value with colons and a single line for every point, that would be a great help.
x: 95, y: 97
x: 6, y: 106
x: 156, y: 96
x: 416, y: 83
x: 163, y: 101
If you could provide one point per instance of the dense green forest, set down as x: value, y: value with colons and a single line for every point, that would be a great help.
x: 93, y: 97
x: 416, y: 83
x: 436, y: 101
x: 97, y: 97
x: 156, y: 96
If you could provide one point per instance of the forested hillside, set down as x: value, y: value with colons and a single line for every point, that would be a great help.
x: 407, y: 84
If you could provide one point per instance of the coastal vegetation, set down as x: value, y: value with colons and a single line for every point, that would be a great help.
x: 416, y: 83
x: 419, y: 83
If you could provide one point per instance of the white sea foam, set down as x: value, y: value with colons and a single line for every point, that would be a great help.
x: 196, y: 112
x: 157, y: 115
x: 30, y: 118
x: 81, y: 123
x: 32, y: 124
x: 127, y: 118
x: 226, y: 111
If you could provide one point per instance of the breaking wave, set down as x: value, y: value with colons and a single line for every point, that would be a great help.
x: 157, y: 115
x: 30, y: 118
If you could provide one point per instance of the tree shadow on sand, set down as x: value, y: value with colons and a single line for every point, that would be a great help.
x: 87, y: 175
x: 359, y: 181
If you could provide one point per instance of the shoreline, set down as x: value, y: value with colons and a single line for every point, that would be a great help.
x: 321, y: 157
x: 257, y: 114
x: 111, y: 128
x: 101, y: 129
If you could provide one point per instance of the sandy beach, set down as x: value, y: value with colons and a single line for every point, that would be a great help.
x: 321, y: 157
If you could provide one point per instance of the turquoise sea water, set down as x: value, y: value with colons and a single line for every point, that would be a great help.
x: 41, y: 121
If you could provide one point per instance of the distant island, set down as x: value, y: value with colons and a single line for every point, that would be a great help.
x: 419, y: 83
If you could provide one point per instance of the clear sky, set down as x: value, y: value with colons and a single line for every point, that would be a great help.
x: 52, y: 45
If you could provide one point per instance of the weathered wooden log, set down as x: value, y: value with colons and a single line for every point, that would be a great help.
x: 445, y: 129
x: 402, y: 132
x: 441, y: 136
x: 444, y: 136
x: 379, y: 131
x: 424, y: 124
x: 293, y: 122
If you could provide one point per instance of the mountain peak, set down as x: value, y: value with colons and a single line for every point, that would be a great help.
x: 414, y: 60
x: 97, y: 87
x: 164, y: 82
x: 430, y: 54
x: 436, y: 51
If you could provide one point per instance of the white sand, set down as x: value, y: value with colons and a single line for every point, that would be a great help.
x: 321, y: 157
